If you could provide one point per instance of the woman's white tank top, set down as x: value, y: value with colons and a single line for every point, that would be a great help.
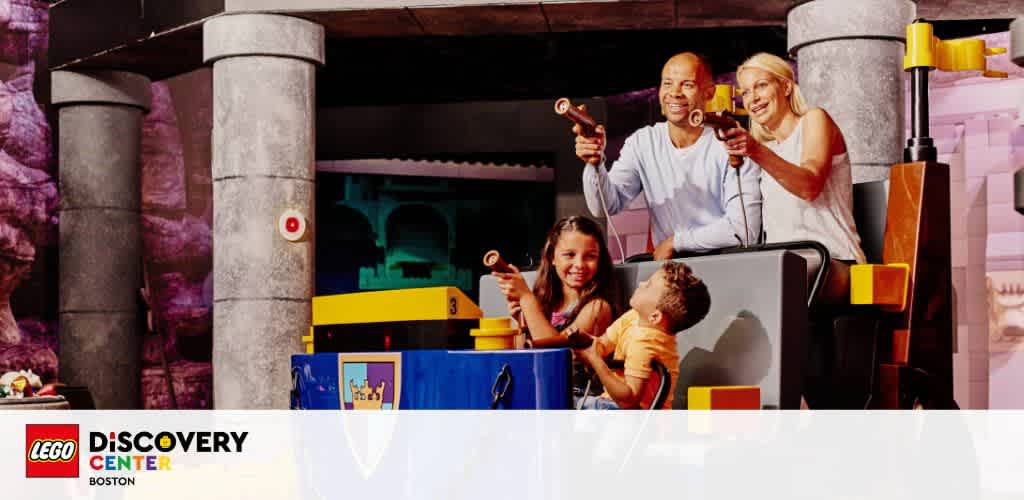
x: 827, y: 219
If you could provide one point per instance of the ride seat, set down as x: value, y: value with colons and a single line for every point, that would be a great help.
x: 656, y: 389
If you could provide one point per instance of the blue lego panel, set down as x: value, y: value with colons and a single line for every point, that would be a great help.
x: 315, y: 381
x: 431, y: 379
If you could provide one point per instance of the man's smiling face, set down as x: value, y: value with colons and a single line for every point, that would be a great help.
x: 684, y: 83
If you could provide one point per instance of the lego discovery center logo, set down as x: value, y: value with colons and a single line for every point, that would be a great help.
x: 53, y: 451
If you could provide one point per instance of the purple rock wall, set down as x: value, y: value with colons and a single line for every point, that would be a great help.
x: 28, y: 195
x: 178, y: 257
x: 193, y: 386
x: 176, y: 238
x: 176, y: 217
x: 163, y: 163
x: 25, y: 133
x: 24, y: 30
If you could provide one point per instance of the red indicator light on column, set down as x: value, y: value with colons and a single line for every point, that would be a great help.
x: 292, y: 225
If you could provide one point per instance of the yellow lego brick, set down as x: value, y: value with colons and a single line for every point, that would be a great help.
x: 730, y: 397
x: 967, y: 54
x: 924, y: 50
x: 412, y: 304
x: 494, y: 334
x: 880, y: 284
x: 921, y: 47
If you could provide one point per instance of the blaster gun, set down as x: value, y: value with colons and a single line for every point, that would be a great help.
x: 494, y: 262
x: 720, y: 122
x: 588, y: 125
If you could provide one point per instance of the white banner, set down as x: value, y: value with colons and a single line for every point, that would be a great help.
x: 226, y: 455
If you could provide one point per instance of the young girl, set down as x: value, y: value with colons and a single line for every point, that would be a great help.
x: 574, y: 290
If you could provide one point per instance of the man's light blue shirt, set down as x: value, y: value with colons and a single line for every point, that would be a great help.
x: 691, y: 192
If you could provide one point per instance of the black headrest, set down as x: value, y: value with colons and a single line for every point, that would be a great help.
x: 870, y: 204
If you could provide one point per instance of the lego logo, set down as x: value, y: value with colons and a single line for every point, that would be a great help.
x: 52, y: 450
x: 292, y: 225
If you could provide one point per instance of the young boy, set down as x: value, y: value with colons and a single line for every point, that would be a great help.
x: 672, y: 300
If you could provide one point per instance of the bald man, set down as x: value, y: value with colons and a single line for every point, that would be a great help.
x: 683, y: 171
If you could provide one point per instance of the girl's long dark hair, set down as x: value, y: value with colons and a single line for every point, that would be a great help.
x: 548, y: 287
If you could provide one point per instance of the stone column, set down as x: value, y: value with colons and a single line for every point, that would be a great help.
x: 100, y: 245
x: 263, y: 164
x: 850, y: 62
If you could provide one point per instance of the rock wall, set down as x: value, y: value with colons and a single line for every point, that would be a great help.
x: 176, y: 218
x: 178, y: 259
x: 28, y: 193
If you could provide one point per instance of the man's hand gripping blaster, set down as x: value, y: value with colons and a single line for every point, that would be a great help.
x: 587, y: 123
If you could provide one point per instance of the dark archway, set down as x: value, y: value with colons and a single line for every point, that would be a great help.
x: 345, y: 242
x: 417, y: 240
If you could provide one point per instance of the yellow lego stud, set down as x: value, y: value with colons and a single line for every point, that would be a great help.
x: 730, y: 397
x: 880, y: 284
x: 722, y: 100
x: 494, y: 334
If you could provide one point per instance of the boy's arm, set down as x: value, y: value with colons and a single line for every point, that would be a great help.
x: 605, y: 344
x: 626, y: 393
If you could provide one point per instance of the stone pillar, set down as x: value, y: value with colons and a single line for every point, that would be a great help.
x: 263, y: 164
x: 100, y: 245
x: 850, y: 62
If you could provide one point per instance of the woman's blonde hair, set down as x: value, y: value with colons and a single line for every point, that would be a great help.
x: 782, y: 71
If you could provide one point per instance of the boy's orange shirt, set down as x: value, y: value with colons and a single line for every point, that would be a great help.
x: 636, y: 346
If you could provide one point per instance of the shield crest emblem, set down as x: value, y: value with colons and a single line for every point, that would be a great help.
x: 370, y: 381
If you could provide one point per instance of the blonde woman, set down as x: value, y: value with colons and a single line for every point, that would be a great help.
x: 807, y: 193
